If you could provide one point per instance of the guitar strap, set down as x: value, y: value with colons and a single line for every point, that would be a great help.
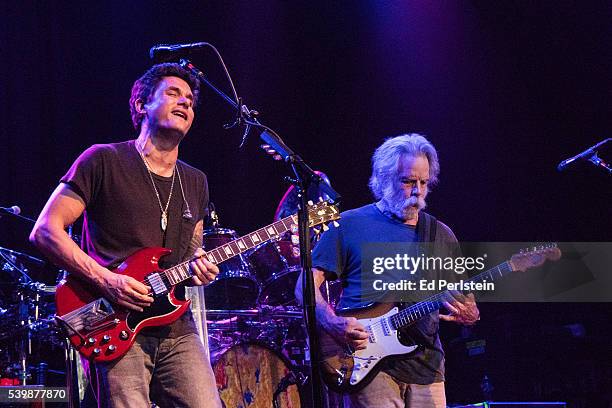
x: 426, y: 227
x: 426, y: 232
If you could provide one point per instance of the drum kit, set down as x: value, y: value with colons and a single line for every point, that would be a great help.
x: 265, y: 276
x: 27, y: 329
x: 255, y: 329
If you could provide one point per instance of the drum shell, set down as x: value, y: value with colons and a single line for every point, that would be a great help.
x: 248, y: 374
x: 234, y: 287
x: 277, y: 266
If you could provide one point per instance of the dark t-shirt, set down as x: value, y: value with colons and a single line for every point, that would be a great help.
x: 338, y: 253
x: 122, y: 213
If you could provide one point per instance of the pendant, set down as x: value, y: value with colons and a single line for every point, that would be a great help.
x: 187, y: 214
x: 164, y: 221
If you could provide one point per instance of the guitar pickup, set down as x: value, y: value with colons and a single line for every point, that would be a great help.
x: 157, y: 284
x: 385, y: 326
x: 371, y: 336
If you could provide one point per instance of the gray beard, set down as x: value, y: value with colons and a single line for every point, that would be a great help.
x: 405, y: 208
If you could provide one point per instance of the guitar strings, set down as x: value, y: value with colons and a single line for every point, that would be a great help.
x: 413, y: 309
x: 83, y: 310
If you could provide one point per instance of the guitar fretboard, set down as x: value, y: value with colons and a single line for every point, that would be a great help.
x: 182, y: 272
x: 413, y: 313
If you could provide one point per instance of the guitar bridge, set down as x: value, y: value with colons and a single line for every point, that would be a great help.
x: 89, y: 316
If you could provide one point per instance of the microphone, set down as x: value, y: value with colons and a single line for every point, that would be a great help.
x: 166, y: 52
x: 14, y: 210
x: 587, y: 154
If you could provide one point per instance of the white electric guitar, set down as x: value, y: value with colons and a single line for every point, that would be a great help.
x: 347, y: 370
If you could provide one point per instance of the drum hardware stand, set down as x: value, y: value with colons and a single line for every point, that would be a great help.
x: 304, y: 176
x: 28, y: 324
x: 75, y: 377
x: 292, y: 378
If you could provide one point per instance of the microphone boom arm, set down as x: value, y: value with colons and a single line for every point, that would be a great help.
x: 590, y: 155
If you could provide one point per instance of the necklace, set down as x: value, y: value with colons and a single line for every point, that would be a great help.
x: 187, y: 213
x: 164, y: 210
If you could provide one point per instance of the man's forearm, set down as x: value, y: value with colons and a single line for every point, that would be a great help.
x: 57, y: 245
x: 324, y: 312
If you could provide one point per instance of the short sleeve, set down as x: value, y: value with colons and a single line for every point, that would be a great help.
x: 85, y: 174
x: 328, y: 254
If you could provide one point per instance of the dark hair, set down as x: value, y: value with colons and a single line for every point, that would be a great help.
x: 146, y: 84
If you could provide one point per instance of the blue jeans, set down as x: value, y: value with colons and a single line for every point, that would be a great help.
x: 172, y: 372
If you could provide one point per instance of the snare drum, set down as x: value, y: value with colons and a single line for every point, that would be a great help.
x: 247, y: 375
x: 234, y: 287
x: 277, y: 267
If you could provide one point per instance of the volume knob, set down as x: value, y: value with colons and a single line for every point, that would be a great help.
x: 123, y: 335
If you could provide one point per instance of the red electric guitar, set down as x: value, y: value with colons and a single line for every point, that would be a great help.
x: 102, y: 331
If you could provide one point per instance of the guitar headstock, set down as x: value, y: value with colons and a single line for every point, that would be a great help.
x: 535, y: 256
x: 322, y: 212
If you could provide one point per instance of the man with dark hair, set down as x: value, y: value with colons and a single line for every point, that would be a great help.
x: 137, y: 194
x: 403, y: 169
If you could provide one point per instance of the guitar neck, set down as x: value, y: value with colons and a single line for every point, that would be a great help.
x: 182, y: 272
x: 415, y: 312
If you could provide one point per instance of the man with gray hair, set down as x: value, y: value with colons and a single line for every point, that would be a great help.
x: 403, y: 170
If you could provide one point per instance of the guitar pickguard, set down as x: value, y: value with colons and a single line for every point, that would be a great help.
x: 382, y: 342
x: 162, y: 306
x: 347, y: 370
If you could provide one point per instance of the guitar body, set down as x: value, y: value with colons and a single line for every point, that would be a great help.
x: 346, y: 371
x: 102, y: 331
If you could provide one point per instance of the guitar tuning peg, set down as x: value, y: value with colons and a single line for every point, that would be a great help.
x: 325, y: 227
x: 320, y: 199
x: 310, y: 202
x: 317, y: 231
x: 335, y: 223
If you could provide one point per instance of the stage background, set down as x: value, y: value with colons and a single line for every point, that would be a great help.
x: 504, y: 90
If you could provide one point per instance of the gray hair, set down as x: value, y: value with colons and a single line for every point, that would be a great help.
x: 386, y: 158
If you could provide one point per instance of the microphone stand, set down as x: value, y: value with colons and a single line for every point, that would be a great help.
x: 304, y: 177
